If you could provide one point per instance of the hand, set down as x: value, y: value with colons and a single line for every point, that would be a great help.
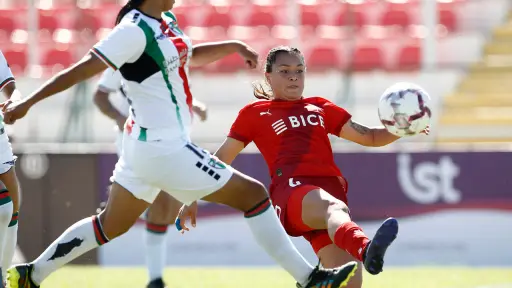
x: 14, y: 110
x: 201, y: 111
x: 426, y: 131
x: 185, y: 213
x: 120, y: 121
x: 250, y: 56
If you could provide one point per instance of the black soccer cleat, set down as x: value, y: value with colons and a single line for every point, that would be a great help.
x: 376, y: 249
x: 19, y: 277
x: 156, y: 283
x: 331, y: 278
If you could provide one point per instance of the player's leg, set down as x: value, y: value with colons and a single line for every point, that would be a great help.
x: 160, y: 214
x: 6, y: 209
x: 332, y: 256
x: 11, y: 183
x: 129, y: 197
x: 320, y: 210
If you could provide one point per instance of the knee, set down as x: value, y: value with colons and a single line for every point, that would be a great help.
x: 336, y: 207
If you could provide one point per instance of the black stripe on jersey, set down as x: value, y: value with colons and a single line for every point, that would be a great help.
x: 140, y: 70
x: 195, y: 151
x: 135, y: 17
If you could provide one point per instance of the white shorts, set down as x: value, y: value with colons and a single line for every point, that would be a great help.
x: 119, y: 142
x: 7, y: 158
x: 188, y: 173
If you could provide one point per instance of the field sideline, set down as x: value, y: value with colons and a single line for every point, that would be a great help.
x: 418, y: 277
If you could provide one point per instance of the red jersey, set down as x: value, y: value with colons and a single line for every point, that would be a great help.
x: 292, y: 136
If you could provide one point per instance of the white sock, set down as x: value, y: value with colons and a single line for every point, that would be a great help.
x: 271, y: 236
x: 78, y: 239
x: 10, y: 244
x: 156, y: 250
x: 5, y: 210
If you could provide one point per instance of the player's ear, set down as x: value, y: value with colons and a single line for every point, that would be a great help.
x: 267, y: 78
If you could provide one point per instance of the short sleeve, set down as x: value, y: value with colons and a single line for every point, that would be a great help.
x: 6, y: 76
x: 110, y: 81
x: 124, y: 44
x: 336, y: 118
x: 241, y: 129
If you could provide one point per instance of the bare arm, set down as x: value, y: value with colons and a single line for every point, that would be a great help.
x: 366, y: 136
x: 206, y: 53
x: 229, y: 150
x: 11, y: 92
x: 87, y: 67
x: 103, y: 103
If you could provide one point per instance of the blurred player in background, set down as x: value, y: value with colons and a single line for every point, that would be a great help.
x: 308, y: 190
x: 157, y: 152
x: 8, y: 209
x: 165, y: 208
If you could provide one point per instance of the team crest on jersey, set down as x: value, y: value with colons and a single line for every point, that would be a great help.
x: 216, y: 163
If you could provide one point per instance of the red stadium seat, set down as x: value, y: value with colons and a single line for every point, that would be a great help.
x: 261, y: 18
x: 350, y: 18
x: 409, y: 57
x: 183, y: 21
x: 48, y: 21
x: 367, y: 58
x: 217, y: 18
x: 88, y: 20
x: 309, y: 16
x: 229, y: 64
x: 7, y: 24
x: 17, y: 60
x: 448, y: 19
x: 323, y: 57
x: 58, y: 57
x: 395, y: 17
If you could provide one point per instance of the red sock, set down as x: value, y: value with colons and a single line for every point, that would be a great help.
x: 351, y: 238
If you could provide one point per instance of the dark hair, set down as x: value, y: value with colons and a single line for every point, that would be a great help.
x: 132, y: 4
x: 262, y: 89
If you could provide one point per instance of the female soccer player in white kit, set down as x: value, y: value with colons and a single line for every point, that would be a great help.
x: 9, y: 187
x: 157, y: 152
x: 164, y: 210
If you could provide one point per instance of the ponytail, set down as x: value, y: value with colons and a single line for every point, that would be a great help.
x: 132, y: 4
x: 262, y: 90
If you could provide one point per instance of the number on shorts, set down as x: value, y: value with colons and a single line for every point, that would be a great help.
x: 293, y: 183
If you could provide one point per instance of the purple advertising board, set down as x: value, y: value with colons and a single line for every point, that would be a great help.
x: 400, y: 185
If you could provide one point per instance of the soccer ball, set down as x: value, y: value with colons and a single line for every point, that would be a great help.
x: 404, y: 109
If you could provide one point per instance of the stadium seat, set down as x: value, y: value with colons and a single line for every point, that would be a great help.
x: 350, y: 18
x: 216, y: 18
x: 323, y: 57
x: 17, y: 60
x: 7, y: 24
x: 48, y: 21
x: 448, y: 19
x: 55, y: 57
x: 309, y: 16
x: 261, y: 17
x: 409, y: 57
x: 367, y: 58
x: 230, y: 64
x: 87, y: 20
x: 183, y: 20
x: 395, y: 17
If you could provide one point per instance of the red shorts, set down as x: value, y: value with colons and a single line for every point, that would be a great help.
x: 287, y: 201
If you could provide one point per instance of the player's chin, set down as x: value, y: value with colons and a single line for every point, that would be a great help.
x: 293, y: 93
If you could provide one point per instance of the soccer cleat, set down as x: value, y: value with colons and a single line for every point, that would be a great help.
x: 331, y: 278
x: 376, y: 249
x: 19, y: 277
x: 156, y: 283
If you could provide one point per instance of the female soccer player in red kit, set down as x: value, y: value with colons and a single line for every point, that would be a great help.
x: 308, y: 190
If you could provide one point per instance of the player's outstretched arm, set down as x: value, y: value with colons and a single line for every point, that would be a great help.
x: 11, y: 92
x: 367, y: 136
x: 229, y: 149
x: 206, y: 53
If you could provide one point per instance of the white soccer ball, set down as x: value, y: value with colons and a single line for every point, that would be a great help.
x: 404, y: 109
